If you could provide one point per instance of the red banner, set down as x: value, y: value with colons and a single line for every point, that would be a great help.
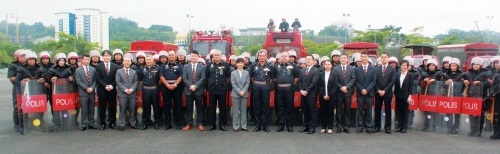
x: 428, y: 103
x: 472, y: 106
x: 63, y: 101
x: 18, y: 99
x: 184, y: 104
x: 77, y: 99
x: 34, y: 103
x: 413, y: 105
x: 296, y: 99
x: 449, y: 104
x: 271, y: 99
x: 138, y: 99
x: 354, y: 101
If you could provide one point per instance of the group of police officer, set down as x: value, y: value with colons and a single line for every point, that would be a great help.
x: 284, y: 73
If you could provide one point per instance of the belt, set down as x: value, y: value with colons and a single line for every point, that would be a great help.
x: 171, y: 81
x: 259, y: 82
x: 284, y: 85
x: 149, y: 87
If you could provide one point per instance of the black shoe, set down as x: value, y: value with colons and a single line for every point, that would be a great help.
x: 312, y: 131
x: 399, y: 130
x: 425, y: 129
x: 83, y: 128
x: 167, y: 127
x: 103, y: 127
x: 223, y: 128
x: 257, y: 130
x: 339, y: 130
x: 157, y: 126
x: 133, y: 127
x: 404, y: 130
x: 112, y: 126
x: 388, y: 131
x: 121, y: 128
x: 346, y: 131
x: 245, y: 130
x: 454, y: 131
x: 211, y: 128
x: 304, y: 129
x: 359, y: 131
x: 178, y: 127
x: 289, y: 129
x: 144, y: 127
x: 472, y: 133
x: 376, y: 130
x: 92, y: 127
x: 369, y: 131
x: 266, y: 129
x: 280, y: 129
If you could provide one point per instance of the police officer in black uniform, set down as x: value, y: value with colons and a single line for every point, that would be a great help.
x: 148, y: 76
x: 45, y: 65
x: 19, y: 60
x: 261, y: 74
x: 218, y: 77
x: 171, y: 77
x: 286, y: 76
x: 60, y: 70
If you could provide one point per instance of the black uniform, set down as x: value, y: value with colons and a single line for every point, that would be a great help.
x: 477, y: 122
x: 495, y: 92
x: 286, y: 76
x: 284, y: 26
x: 438, y: 76
x: 149, y: 76
x: 218, y: 76
x: 171, y: 72
x: 48, y: 91
x: 12, y: 72
x: 416, y: 78
x: 28, y: 72
x: 59, y: 72
x: 454, y: 122
x: 262, y: 79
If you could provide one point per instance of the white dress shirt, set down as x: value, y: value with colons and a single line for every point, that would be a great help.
x: 327, y: 76
x: 402, y: 78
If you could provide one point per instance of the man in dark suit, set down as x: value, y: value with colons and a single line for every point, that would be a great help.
x: 346, y: 78
x: 106, y: 73
x: 365, y: 84
x: 385, y: 81
x: 85, y: 77
x: 194, y: 79
x: 308, y: 80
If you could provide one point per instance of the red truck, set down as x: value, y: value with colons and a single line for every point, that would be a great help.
x: 151, y: 47
x: 468, y: 51
x: 277, y: 42
x: 203, y: 43
x: 358, y: 47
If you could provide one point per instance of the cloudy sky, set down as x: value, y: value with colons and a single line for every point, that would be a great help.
x: 437, y: 16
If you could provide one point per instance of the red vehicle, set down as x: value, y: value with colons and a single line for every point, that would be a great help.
x: 151, y: 47
x: 277, y: 42
x: 203, y: 43
x: 469, y: 51
x: 358, y: 47
x: 418, y: 51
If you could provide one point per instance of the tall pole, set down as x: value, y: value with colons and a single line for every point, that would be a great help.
x: 346, y: 15
x: 17, y: 29
x: 489, y: 26
x: 479, y: 31
x: 7, y: 25
x: 75, y: 37
x: 189, y: 31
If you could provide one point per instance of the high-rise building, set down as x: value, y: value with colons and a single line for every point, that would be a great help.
x: 91, y: 24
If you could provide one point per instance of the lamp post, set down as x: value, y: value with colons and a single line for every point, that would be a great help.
x: 189, y: 29
x: 346, y: 15
x: 489, y: 26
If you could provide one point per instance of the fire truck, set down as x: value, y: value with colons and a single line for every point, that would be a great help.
x: 358, y: 47
x: 151, y: 47
x: 277, y: 42
x: 203, y: 43
x: 466, y: 52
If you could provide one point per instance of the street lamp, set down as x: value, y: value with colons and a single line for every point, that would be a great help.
x: 346, y: 15
x: 189, y: 29
x: 489, y: 26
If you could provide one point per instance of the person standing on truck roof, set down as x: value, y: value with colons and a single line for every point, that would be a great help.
x: 284, y: 25
x: 271, y: 25
x: 296, y: 25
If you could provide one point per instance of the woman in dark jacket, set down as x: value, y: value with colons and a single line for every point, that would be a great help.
x: 403, y: 91
x: 327, y: 87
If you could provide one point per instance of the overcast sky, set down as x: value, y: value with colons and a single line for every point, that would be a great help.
x: 437, y: 16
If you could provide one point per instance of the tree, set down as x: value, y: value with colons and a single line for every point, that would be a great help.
x: 333, y: 30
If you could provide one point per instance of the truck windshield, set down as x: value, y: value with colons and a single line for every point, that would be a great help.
x: 278, y: 49
x: 201, y: 47
x: 220, y: 46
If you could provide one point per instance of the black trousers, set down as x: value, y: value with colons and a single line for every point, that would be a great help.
x: 172, y: 97
x: 326, y: 109
x: 220, y: 100
x: 261, y: 94
x: 15, y: 114
x: 454, y: 121
x: 308, y: 104
x: 150, y: 98
x: 191, y: 101
x: 343, y: 110
x: 496, y: 115
x: 364, y: 112
x: 284, y: 100
x: 107, y: 99
x: 402, y: 112
x: 386, y: 100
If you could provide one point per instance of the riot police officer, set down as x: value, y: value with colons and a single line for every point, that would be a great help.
x: 60, y: 70
x: 94, y: 58
x: 171, y: 77
x: 45, y: 65
x: 261, y: 74
x: 495, y: 92
x: 140, y: 58
x: 117, y: 57
x: 286, y: 77
x: 149, y: 78
x: 478, y: 75
x: 218, y: 75
x: 19, y: 60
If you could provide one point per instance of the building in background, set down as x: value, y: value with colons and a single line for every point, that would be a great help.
x: 253, y: 31
x: 89, y: 23
x: 182, y: 40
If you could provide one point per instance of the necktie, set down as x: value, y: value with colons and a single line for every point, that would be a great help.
x: 365, y: 70
x: 383, y: 69
x: 126, y: 74
x: 107, y: 69
x: 88, y: 73
x: 307, y: 71
x: 343, y: 71
x: 193, y: 74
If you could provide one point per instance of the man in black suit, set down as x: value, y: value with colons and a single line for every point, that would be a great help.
x: 365, y: 84
x: 346, y: 78
x: 385, y: 81
x: 308, y: 80
x: 106, y: 72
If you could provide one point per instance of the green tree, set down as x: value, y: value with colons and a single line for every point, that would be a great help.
x: 333, y: 30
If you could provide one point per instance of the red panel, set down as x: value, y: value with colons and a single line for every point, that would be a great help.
x: 63, y: 101
x: 34, y: 103
x: 472, y: 106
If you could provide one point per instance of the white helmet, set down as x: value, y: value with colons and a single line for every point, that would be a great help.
x: 393, y: 60
x: 324, y: 58
x: 163, y: 53
x: 426, y: 57
x: 201, y: 60
x: 271, y: 60
x: 181, y: 52
x: 302, y: 61
x: 94, y: 53
x: 223, y: 58
x: 454, y: 61
x: 156, y: 57
x: 379, y: 61
x: 335, y: 53
x: 432, y: 61
x: 207, y: 57
x: 278, y: 55
x: 446, y: 58
x: 232, y: 57
x: 315, y: 57
x: 495, y: 59
x: 30, y: 55
x: 477, y: 60
x: 60, y: 56
x: 44, y: 54
x: 72, y: 55
x: 140, y: 54
x: 129, y: 55
x: 117, y: 51
x: 245, y: 54
x: 292, y: 53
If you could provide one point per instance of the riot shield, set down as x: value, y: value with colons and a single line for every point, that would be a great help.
x: 472, y: 104
x: 451, y: 106
x: 63, y: 105
x: 138, y: 106
x: 427, y: 116
x: 33, y: 106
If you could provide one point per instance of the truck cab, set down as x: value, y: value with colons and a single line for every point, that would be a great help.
x: 277, y: 42
x: 203, y: 43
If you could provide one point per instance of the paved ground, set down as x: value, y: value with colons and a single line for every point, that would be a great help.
x: 173, y: 141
